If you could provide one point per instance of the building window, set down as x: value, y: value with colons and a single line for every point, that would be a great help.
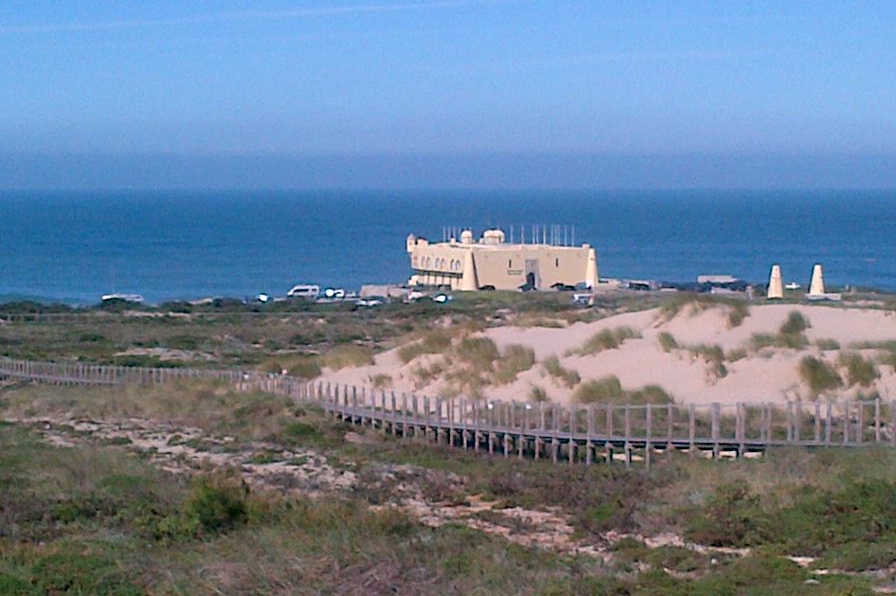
x: 510, y: 263
x: 556, y: 262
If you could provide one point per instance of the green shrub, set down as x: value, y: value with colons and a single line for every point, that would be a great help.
x: 731, y: 517
x: 304, y: 367
x: 795, y: 324
x: 859, y: 371
x: 218, y: 503
x: 818, y: 375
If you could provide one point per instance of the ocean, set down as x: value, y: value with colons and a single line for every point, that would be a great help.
x: 75, y: 246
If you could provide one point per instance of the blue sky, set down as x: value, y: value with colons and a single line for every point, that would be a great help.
x: 392, y: 93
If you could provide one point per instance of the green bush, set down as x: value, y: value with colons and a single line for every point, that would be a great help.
x: 795, y: 324
x: 731, y: 517
x: 218, y: 503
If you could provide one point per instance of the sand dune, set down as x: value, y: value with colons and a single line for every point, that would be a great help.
x: 746, y: 371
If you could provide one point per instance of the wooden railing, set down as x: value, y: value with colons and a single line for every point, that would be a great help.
x: 571, y: 433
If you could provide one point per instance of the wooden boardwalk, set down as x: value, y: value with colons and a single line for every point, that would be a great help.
x: 569, y: 433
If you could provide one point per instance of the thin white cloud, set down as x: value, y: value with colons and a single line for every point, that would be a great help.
x: 247, y: 15
x: 638, y: 56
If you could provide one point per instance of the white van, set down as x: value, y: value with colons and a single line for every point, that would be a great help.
x: 307, y: 291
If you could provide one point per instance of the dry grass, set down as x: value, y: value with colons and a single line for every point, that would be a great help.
x: 348, y: 356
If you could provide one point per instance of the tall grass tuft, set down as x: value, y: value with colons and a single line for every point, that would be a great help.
x: 667, y: 341
x: 737, y: 310
x: 436, y: 341
x: 606, y: 339
x: 516, y: 359
x: 714, y: 357
x: 538, y: 394
x: 604, y: 390
x: 859, y: 371
x: 608, y: 390
x: 818, y: 375
x: 569, y: 377
x: 790, y: 334
x: 346, y: 356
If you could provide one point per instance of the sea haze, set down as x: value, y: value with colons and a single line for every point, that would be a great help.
x: 75, y: 247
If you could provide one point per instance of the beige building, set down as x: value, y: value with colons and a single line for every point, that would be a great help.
x: 490, y: 261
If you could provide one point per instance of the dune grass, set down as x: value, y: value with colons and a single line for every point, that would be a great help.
x: 819, y: 376
x: 567, y: 376
x: 608, y: 390
x: 736, y: 310
x: 791, y: 334
x: 605, y: 339
x: 346, y: 356
x: 515, y: 359
x: 859, y: 370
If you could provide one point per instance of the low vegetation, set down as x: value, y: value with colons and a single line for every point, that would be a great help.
x: 859, y: 370
x: 608, y: 390
x: 714, y: 358
x: 605, y: 339
x: 736, y: 310
x: 791, y: 334
x: 100, y: 518
x: 667, y: 341
x: 348, y: 356
x: 433, y: 342
x: 567, y: 376
x: 819, y: 376
x: 515, y: 359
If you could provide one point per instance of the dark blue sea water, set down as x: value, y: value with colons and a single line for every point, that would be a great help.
x: 164, y: 245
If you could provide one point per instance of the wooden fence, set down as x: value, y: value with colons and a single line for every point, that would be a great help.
x: 572, y: 433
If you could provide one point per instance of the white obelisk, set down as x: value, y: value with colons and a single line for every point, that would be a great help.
x: 775, y: 284
x: 816, y: 287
